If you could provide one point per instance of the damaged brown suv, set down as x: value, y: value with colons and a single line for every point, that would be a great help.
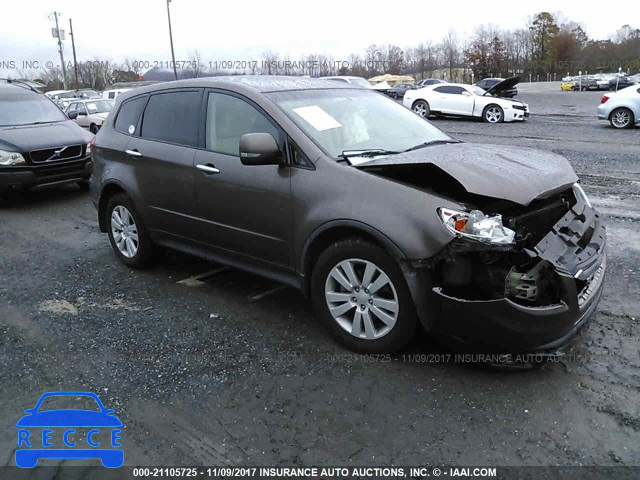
x: 383, y: 220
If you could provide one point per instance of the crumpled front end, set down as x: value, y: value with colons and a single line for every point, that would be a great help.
x: 529, y: 297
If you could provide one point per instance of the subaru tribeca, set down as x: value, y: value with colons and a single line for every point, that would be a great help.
x: 384, y: 221
x: 39, y: 145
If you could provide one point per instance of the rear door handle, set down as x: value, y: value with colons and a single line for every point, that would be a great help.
x: 208, y: 169
x: 133, y: 153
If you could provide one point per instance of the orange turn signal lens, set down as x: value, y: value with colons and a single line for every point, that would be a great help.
x: 459, y: 224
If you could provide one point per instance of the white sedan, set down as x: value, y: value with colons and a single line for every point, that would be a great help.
x: 621, y: 108
x: 466, y: 101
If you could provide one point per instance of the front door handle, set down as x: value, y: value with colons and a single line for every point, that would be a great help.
x: 133, y: 153
x: 208, y: 169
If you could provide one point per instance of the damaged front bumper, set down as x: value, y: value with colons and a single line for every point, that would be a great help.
x: 532, y: 300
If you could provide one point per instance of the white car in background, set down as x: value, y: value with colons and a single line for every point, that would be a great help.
x: 621, y: 108
x: 461, y: 100
x: 113, y: 93
x: 90, y: 113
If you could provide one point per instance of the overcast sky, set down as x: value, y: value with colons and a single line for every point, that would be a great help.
x: 241, y: 30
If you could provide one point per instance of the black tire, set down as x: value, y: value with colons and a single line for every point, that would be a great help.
x: 93, y: 128
x: 617, y: 115
x: 405, y: 324
x: 421, y: 108
x: 491, y: 113
x: 143, y: 256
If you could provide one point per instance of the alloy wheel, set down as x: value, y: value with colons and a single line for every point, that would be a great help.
x: 362, y: 298
x: 421, y: 109
x: 493, y: 115
x: 124, y: 231
x: 620, y: 118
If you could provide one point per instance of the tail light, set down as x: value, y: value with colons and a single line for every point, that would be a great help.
x: 92, y: 145
x: 604, y: 99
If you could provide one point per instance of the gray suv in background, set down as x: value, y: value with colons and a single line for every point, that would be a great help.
x: 383, y: 220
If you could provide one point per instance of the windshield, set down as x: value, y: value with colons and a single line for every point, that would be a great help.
x: 100, y: 106
x: 348, y: 120
x: 28, y: 109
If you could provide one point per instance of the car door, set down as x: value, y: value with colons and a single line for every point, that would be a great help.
x: 83, y: 116
x: 243, y: 209
x: 161, y: 157
x: 454, y: 100
x: 439, y: 99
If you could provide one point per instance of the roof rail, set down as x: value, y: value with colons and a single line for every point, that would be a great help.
x: 21, y: 83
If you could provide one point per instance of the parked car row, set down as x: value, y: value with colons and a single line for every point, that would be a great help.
x: 63, y: 98
x: 599, y: 82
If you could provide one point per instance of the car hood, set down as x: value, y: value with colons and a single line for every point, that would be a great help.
x: 504, y: 85
x: 69, y: 418
x: 37, y: 137
x: 517, y: 174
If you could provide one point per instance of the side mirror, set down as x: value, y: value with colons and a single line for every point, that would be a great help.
x: 466, y: 94
x: 259, y: 149
x: 72, y: 115
x: 29, y: 410
x: 109, y: 411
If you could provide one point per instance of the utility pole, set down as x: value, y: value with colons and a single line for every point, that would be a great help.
x: 59, y: 37
x: 173, y: 57
x: 73, y: 45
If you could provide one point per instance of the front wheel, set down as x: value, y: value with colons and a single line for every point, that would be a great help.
x: 493, y: 114
x: 421, y: 107
x: 127, y: 234
x: 621, y: 118
x: 359, y: 293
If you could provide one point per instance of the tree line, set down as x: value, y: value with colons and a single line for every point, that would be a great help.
x: 547, y: 46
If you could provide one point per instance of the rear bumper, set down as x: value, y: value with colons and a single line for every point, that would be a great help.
x: 43, y: 176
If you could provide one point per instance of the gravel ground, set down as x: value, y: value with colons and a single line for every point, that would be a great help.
x: 232, y: 369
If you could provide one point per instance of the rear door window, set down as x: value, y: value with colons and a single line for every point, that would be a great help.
x: 129, y: 115
x: 173, y: 117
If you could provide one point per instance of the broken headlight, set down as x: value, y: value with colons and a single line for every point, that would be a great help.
x: 477, y: 226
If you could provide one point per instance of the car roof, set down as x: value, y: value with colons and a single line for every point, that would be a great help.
x: 249, y: 84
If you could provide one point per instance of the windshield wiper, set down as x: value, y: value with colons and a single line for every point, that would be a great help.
x: 432, y: 142
x: 372, y: 152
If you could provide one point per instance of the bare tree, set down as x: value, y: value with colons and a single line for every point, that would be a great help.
x: 196, y: 63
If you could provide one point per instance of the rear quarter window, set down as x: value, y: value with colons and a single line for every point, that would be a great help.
x: 129, y: 115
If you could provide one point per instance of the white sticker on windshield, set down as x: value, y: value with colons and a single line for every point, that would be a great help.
x: 317, y: 118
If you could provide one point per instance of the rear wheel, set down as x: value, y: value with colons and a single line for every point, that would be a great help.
x: 621, y: 118
x: 493, y: 114
x: 421, y: 107
x: 127, y: 234
x: 359, y: 293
